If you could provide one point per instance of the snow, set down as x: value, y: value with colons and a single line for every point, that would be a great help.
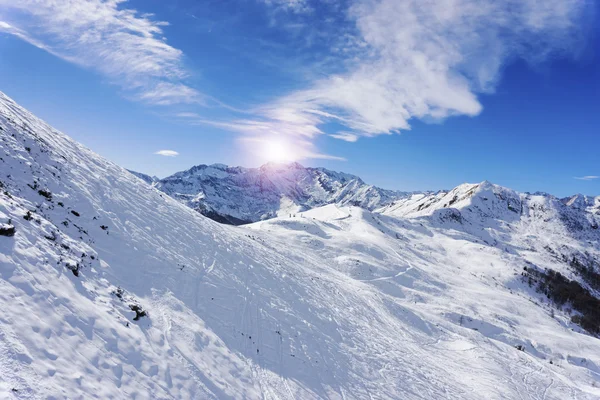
x: 334, y: 302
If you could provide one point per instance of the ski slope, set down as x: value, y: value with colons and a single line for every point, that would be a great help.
x: 338, y: 302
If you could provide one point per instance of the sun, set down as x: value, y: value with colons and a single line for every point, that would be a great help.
x: 277, y: 150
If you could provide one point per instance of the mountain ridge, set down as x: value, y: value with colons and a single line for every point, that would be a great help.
x: 240, y: 195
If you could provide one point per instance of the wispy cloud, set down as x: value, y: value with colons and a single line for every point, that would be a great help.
x: 126, y: 47
x: 424, y: 59
x: 8, y: 28
x: 167, y: 153
x: 297, y: 6
x: 255, y: 134
x: 587, y: 177
x: 345, y: 136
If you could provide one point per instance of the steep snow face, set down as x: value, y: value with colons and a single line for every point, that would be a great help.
x: 112, y: 289
x: 238, y: 195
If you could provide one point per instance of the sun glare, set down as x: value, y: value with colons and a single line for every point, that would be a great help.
x: 277, y: 151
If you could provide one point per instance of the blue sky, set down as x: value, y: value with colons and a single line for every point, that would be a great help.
x: 407, y: 94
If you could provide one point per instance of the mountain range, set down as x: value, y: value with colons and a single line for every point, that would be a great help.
x: 115, y: 286
x: 237, y: 195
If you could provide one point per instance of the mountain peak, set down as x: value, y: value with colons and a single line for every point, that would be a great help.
x: 219, y: 166
x: 486, y: 184
x: 281, y: 165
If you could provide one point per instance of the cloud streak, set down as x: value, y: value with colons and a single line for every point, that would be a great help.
x: 587, y: 177
x: 124, y: 46
x: 167, y: 153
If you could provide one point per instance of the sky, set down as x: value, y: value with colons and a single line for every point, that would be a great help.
x: 407, y: 94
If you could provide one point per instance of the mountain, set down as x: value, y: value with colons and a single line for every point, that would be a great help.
x: 237, y: 195
x: 112, y: 289
x: 486, y: 202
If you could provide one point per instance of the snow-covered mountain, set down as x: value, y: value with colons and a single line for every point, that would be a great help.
x: 112, y: 289
x: 237, y: 195
x: 581, y: 202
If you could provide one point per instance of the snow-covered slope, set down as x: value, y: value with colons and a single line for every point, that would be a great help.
x: 112, y: 289
x: 237, y: 195
x: 146, y: 178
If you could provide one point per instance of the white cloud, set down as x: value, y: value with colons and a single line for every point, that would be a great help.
x: 425, y: 59
x: 167, y: 153
x: 124, y: 46
x: 345, y: 136
x: 587, y: 177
